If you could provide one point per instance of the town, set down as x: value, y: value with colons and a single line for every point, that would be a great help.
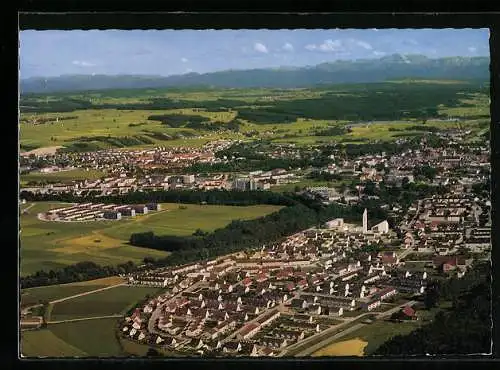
x: 284, y: 299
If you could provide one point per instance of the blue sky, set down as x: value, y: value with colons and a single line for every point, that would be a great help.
x: 167, y: 52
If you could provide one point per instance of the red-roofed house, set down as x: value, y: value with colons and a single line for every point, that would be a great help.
x: 249, y: 330
x: 302, y: 283
x: 247, y: 282
x: 409, y: 313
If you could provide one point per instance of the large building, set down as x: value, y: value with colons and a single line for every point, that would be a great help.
x: 382, y: 227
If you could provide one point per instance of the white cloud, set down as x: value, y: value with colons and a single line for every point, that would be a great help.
x: 288, y: 47
x: 188, y: 70
x: 472, y: 49
x: 339, y: 46
x: 331, y: 45
x: 261, y: 48
x: 378, y: 53
x: 184, y: 60
x: 364, y: 45
x: 82, y: 63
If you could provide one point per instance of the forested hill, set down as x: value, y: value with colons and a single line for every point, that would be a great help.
x: 359, y: 71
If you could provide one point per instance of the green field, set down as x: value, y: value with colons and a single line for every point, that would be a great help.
x: 175, y: 221
x: 32, y: 296
x: 51, y: 245
x: 90, y: 338
x: 281, y: 115
x: 95, y: 337
x: 381, y: 331
x: 107, y: 122
x: 62, y: 176
x: 112, y: 301
x: 44, y: 343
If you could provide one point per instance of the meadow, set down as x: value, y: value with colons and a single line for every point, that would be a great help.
x: 114, y: 301
x: 44, y: 343
x: 61, y: 176
x: 104, y: 119
x: 50, y: 245
x: 36, y: 295
x: 97, y: 338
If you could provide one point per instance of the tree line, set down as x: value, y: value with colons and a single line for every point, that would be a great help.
x: 80, y: 271
x: 219, y: 197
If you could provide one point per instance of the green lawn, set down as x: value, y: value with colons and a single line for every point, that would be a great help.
x: 43, y: 343
x: 52, y: 245
x: 108, y: 302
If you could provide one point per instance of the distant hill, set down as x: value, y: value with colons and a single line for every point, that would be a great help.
x: 359, y: 71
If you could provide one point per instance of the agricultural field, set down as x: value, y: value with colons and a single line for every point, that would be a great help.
x: 353, y: 347
x: 44, y: 343
x: 97, y: 338
x: 61, y: 176
x: 32, y: 296
x: 126, y: 118
x: 89, y: 338
x: 172, y: 220
x: 367, y: 339
x: 114, y: 301
x: 51, y: 245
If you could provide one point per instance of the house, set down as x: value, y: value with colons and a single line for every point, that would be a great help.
x: 140, y: 208
x: 112, y: 215
x: 129, y: 212
x: 406, y: 313
x: 249, y: 330
x: 153, y: 206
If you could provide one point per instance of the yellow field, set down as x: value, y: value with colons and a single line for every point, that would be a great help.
x: 112, y: 280
x: 353, y: 347
x: 87, y: 244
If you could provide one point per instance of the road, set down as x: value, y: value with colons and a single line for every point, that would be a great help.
x: 86, y: 293
x: 26, y: 310
x: 27, y: 208
x: 85, y: 318
x: 325, y: 342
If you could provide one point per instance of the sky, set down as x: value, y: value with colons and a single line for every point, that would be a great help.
x: 170, y: 52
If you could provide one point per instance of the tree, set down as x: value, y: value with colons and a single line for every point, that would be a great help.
x: 431, y: 297
x: 405, y: 183
x: 369, y: 188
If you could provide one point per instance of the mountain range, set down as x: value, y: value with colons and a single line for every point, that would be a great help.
x: 394, y: 66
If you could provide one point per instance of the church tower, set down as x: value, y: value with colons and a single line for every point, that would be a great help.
x: 365, y: 221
